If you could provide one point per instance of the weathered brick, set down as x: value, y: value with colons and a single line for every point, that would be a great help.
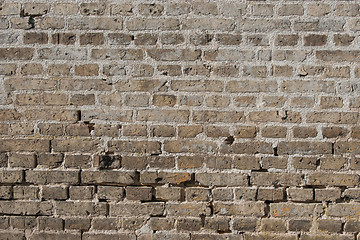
x: 43, y: 177
x: 328, y: 179
x: 150, y: 177
x: 295, y: 210
x: 275, y: 179
x: 163, y: 24
x: 71, y: 208
x: 54, y: 192
x: 99, y: 23
x: 26, y: 208
x: 104, y: 177
x: 136, y: 209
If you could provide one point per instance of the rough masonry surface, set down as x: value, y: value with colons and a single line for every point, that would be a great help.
x: 186, y: 120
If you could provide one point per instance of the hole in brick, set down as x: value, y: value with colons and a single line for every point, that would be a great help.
x: 229, y: 140
x: 276, y: 152
x: 158, y: 179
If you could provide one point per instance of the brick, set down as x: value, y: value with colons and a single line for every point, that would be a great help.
x: 33, y: 38
x: 121, y: 9
x: 108, y: 177
x: 50, y: 223
x: 8, y: 145
x: 92, y: 8
x: 299, y: 225
x: 62, y: 54
x: 204, y: 24
x: 223, y: 179
x: 51, y: 23
x: 273, y: 225
x: 81, y: 192
x: 274, y: 132
x: 161, y: 162
x: 300, y: 194
x: 16, y: 53
x: 263, y: 25
x: 255, y: 209
x: 290, y: 148
x: 134, y: 130
x: 315, y: 40
x: 22, y: 160
x: 246, y: 163
x: 135, y: 146
x: 26, y: 208
x: 187, y: 209
x: 162, y: 131
x: 151, y: 9
x: 33, y: 9
x: 51, y: 129
x: 343, y: 39
x: 318, y: 9
x: 92, y: 39
x: 72, y: 208
x: 54, y: 192
x: 150, y: 177
x: 139, y: 193
x: 55, y: 236
x: 5, y: 193
x: 304, y: 132
x: 110, y: 193
x: 247, y: 147
x: 286, y: 40
x: 197, y: 194
x: 72, y: 145
x: 274, y: 162
x: 136, y: 209
x: 327, y: 179
x: 168, y: 193
x: 330, y: 194
x: 201, y: 39
x: 275, y: 179
x: 174, y: 55
x: 297, y: 210
x: 63, y: 38
x: 161, y: 224
x: 23, y: 222
x: 351, y: 226
x: 77, y: 223
x: 180, y: 116
x: 134, y: 163
x: 164, y: 24
x: 105, y: 224
x: 172, y: 39
x: 343, y: 210
x: 99, y: 23
x: 245, y: 193
x: 65, y: 8
x: 77, y: 161
x: 50, y: 177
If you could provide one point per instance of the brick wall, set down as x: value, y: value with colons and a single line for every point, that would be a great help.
x: 179, y: 120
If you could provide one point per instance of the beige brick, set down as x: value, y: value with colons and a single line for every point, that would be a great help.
x: 162, y: 131
x: 63, y: 38
x: 65, y: 8
x: 138, y: 24
x: 121, y: 9
x: 99, y: 23
x: 151, y: 9
x: 318, y: 9
x: 291, y: 9
x: 315, y: 40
